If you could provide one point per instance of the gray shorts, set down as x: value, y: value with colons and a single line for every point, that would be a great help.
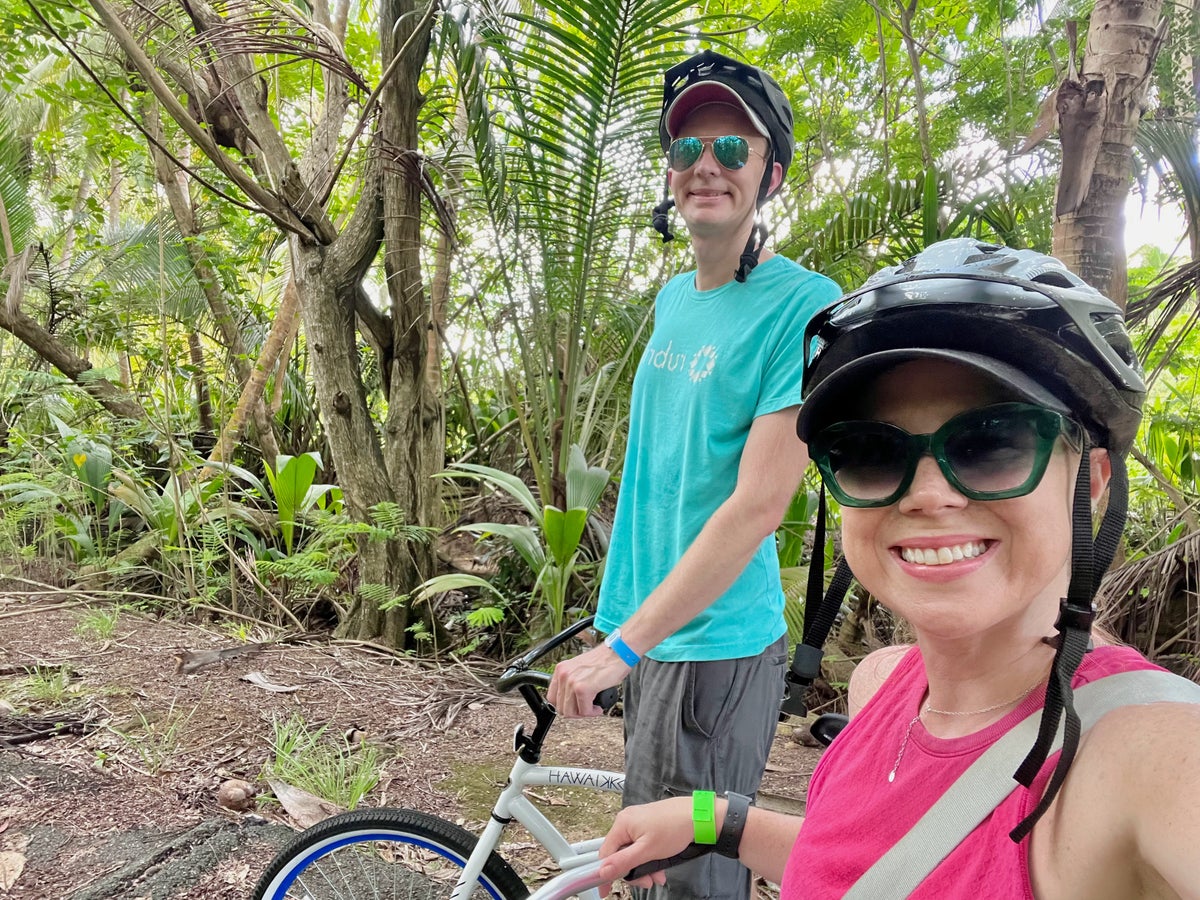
x: 701, y: 726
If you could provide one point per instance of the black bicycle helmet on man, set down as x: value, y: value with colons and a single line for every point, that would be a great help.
x: 710, y: 77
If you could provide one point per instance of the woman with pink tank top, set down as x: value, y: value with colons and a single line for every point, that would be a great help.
x: 968, y: 409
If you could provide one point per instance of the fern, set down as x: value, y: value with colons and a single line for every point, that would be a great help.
x: 485, y: 616
x: 310, y: 567
x: 390, y: 520
x: 380, y: 596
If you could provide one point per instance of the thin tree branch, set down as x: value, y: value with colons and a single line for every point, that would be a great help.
x: 270, y: 203
x: 138, y: 125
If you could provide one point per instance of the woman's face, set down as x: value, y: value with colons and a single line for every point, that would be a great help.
x: 956, y: 567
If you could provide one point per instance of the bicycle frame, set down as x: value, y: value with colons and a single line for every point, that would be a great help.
x: 513, y: 805
x: 527, y: 771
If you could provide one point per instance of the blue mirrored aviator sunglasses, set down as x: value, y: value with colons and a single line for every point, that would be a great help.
x: 992, y: 453
x: 731, y: 150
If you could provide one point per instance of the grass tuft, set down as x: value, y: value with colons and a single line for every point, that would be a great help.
x: 304, y: 758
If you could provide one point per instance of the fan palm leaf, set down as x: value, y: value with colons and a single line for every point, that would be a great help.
x: 561, y: 102
x: 1169, y: 146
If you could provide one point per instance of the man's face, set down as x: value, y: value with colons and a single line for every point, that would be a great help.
x: 716, y: 202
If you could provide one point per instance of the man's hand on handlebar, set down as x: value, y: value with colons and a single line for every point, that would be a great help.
x: 577, y: 681
x: 640, y: 834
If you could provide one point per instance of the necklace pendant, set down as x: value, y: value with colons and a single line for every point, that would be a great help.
x: 891, y: 776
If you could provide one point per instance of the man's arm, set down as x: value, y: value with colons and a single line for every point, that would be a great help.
x: 772, y: 465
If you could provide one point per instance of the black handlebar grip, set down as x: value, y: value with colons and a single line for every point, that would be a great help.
x: 607, y: 698
x: 827, y: 727
x: 691, y: 851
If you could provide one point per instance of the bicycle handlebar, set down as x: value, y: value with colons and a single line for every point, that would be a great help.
x: 518, y: 670
x: 691, y: 851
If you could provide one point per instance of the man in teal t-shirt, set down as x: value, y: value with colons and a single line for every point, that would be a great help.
x: 691, y: 598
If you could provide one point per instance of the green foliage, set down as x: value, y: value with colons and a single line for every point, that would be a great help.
x: 155, y: 738
x: 560, y: 101
x: 45, y: 686
x: 168, y: 510
x: 539, y: 134
x: 294, y: 492
x: 100, y: 624
x: 307, y: 758
x: 550, y: 546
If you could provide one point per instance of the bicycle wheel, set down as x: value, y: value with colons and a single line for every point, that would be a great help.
x: 382, y: 853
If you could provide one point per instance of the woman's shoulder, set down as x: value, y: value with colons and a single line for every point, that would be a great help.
x: 870, y: 674
x: 1132, y: 794
x: 1146, y: 737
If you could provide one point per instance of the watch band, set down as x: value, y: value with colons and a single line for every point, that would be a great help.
x: 617, y: 645
x: 738, y: 805
x: 704, y: 817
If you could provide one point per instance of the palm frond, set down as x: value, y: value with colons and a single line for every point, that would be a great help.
x: 560, y: 102
x: 1164, y: 302
x: 1152, y: 604
x: 16, y: 211
x: 271, y: 27
x: 1169, y: 145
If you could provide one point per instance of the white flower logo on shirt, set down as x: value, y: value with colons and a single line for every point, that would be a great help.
x: 703, y: 363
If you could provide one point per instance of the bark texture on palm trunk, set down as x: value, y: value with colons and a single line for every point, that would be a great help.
x: 1099, y: 109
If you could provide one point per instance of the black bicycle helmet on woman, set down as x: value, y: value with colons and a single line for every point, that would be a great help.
x: 709, y: 77
x: 1026, y: 321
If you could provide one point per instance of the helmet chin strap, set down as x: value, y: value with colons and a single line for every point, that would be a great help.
x: 758, y: 234
x: 1090, y: 559
x: 754, y: 246
x: 662, y: 215
x: 749, y: 257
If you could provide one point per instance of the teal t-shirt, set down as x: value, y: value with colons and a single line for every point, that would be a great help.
x: 716, y: 361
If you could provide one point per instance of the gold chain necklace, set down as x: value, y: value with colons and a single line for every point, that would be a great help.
x: 925, y: 708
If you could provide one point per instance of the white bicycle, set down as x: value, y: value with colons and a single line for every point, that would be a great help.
x: 403, y: 853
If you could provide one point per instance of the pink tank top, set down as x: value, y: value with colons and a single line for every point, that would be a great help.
x: 855, y: 815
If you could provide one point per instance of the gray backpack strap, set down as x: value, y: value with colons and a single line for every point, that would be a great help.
x: 988, y: 780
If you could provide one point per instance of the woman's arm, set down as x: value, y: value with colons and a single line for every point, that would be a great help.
x: 1162, y: 782
x: 663, y: 829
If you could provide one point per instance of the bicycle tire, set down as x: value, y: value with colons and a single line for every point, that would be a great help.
x: 351, y: 855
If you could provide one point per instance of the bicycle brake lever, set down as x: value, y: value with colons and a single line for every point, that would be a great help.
x: 691, y: 851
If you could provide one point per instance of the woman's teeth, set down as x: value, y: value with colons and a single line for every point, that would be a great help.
x: 942, y: 555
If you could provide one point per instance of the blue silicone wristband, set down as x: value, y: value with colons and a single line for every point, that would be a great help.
x: 618, y: 646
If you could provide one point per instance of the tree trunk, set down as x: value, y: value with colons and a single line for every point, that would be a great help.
x: 204, y: 410
x: 255, y: 387
x: 413, y: 432
x: 328, y: 267
x: 1099, y: 113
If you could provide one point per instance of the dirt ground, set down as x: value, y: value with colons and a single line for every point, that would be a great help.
x: 150, y: 720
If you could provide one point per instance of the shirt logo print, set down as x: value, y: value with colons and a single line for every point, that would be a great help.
x: 703, y: 363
